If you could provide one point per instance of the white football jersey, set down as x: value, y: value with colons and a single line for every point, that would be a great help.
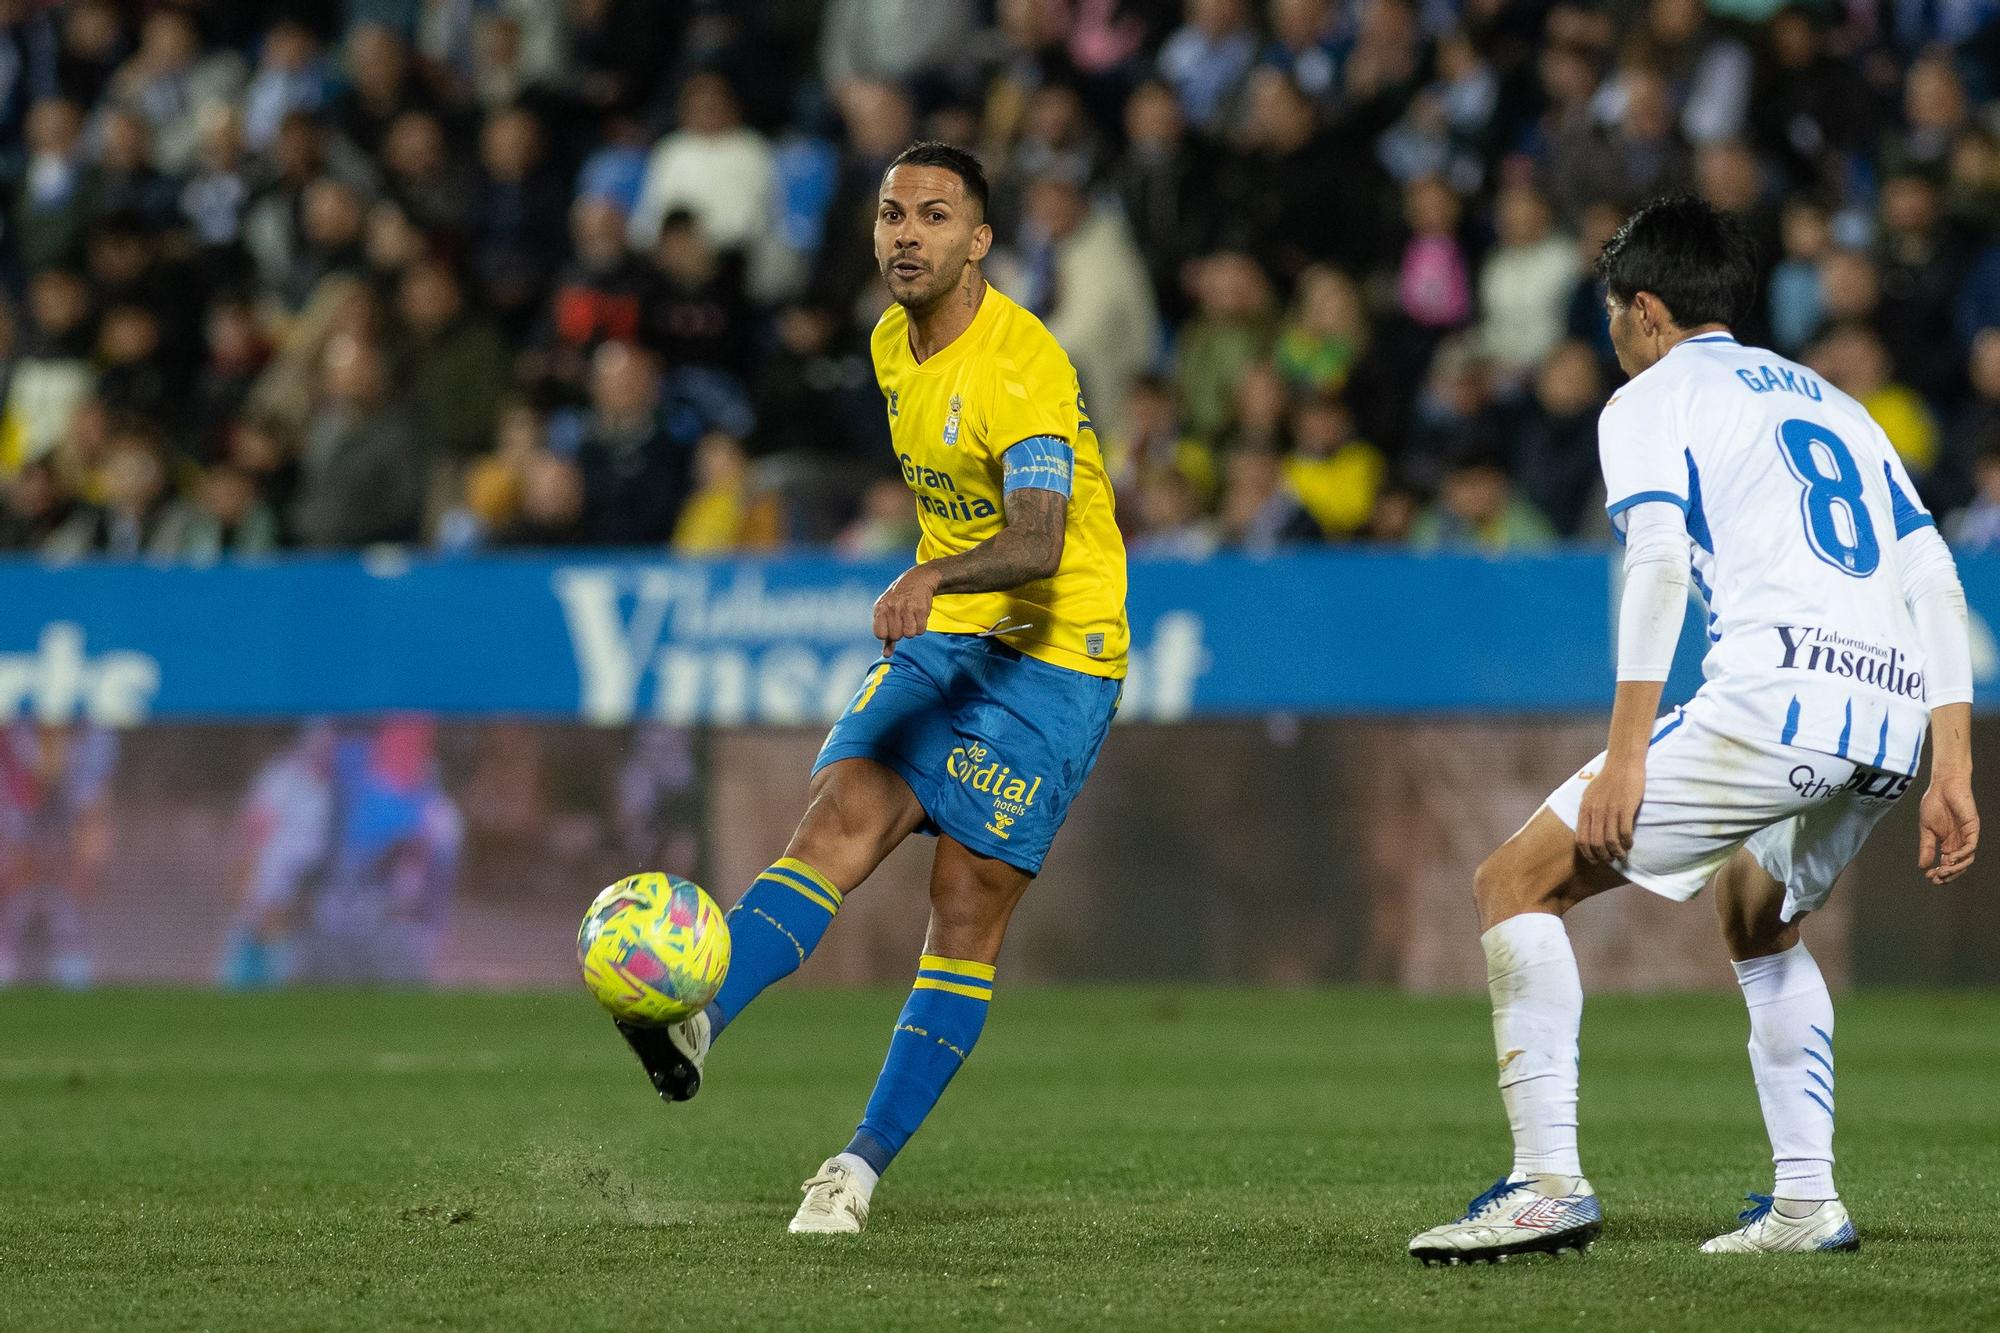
x: 1795, y: 504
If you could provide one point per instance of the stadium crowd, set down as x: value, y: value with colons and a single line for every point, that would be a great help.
x: 532, y: 273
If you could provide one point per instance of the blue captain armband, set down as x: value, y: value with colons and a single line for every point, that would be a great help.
x: 1040, y: 462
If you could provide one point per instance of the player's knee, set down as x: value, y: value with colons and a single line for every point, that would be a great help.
x: 1505, y: 886
x: 844, y: 833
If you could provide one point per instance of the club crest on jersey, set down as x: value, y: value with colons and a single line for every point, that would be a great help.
x: 951, y: 423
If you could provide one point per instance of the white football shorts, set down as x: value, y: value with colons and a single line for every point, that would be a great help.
x: 1802, y: 814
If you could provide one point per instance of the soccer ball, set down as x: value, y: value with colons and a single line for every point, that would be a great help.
x: 653, y: 948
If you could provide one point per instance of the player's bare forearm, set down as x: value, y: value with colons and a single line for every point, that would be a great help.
x: 1951, y: 741
x: 1610, y: 809
x: 1029, y: 547
x: 1634, y: 708
x: 1948, y: 818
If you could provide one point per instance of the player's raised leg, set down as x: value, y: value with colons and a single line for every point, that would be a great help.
x: 1543, y: 1204
x: 972, y: 899
x: 860, y: 810
x: 1791, y: 1055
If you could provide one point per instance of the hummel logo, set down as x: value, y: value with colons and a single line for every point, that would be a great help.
x: 1509, y: 1058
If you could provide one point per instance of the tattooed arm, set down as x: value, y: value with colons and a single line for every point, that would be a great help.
x: 1030, y: 547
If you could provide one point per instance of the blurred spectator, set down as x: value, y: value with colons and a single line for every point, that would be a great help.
x: 1274, y: 201
x: 1076, y: 266
x: 1708, y: 70
x: 214, y: 197
x: 55, y: 195
x: 518, y: 219
x: 1524, y: 283
x: 135, y: 500
x: 1975, y: 430
x: 1260, y: 513
x: 170, y: 81
x: 382, y: 83
x: 1433, y: 283
x: 891, y: 40
x: 1447, y: 130
x: 886, y: 525
x: 635, y: 473
x: 1172, y: 520
x: 1638, y: 153
x: 714, y: 166
x: 1477, y: 510
x: 1260, y: 422
x: 550, y: 506
x: 329, y: 242
x: 598, y: 298
x: 1935, y: 111
x: 1335, y: 474
x: 432, y: 183
x: 1797, y: 303
x: 134, y: 378
x: 695, y: 310
x: 1165, y: 182
x: 34, y: 506
x: 815, y: 392
x: 93, y: 45
x: 1234, y: 326
x: 364, y: 470
x: 1305, y: 47
x: 1208, y: 57
x: 451, y: 363
x: 727, y: 511
x: 1151, y: 440
x: 224, y: 517
x: 1920, y: 268
x: 289, y: 79
x: 1555, y: 439
x: 1854, y: 359
x: 1976, y: 531
x: 53, y: 372
x: 1809, y: 107
x: 125, y: 181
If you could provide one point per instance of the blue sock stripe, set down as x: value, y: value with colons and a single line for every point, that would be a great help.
x: 1822, y: 1105
x: 1817, y: 1056
x: 1824, y: 1036
x: 1813, y: 1074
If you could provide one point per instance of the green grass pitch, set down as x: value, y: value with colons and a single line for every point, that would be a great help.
x: 1111, y: 1159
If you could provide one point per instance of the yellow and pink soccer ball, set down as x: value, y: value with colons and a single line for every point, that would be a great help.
x: 653, y: 948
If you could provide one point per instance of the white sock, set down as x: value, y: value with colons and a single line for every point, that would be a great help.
x: 1537, y: 1011
x: 863, y: 1174
x: 1791, y: 1053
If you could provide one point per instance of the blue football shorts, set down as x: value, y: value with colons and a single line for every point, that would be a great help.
x: 994, y: 743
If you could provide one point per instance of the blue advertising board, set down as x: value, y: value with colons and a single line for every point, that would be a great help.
x: 612, y: 638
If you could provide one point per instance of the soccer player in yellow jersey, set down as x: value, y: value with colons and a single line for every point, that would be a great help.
x: 1003, y: 649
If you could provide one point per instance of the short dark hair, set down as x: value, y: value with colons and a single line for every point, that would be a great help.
x: 931, y: 153
x: 1696, y: 258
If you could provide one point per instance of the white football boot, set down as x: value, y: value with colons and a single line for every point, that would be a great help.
x: 1768, y: 1231
x: 672, y: 1056
x: 1517, y: 1217
x: 834, y: 1202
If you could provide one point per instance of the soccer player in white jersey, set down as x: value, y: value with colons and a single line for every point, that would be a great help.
x: 1837, y: 637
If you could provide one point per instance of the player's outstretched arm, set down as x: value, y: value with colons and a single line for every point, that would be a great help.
x: 1029, y: 547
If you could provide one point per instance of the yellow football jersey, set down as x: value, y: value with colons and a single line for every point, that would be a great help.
x: 952, y: 418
